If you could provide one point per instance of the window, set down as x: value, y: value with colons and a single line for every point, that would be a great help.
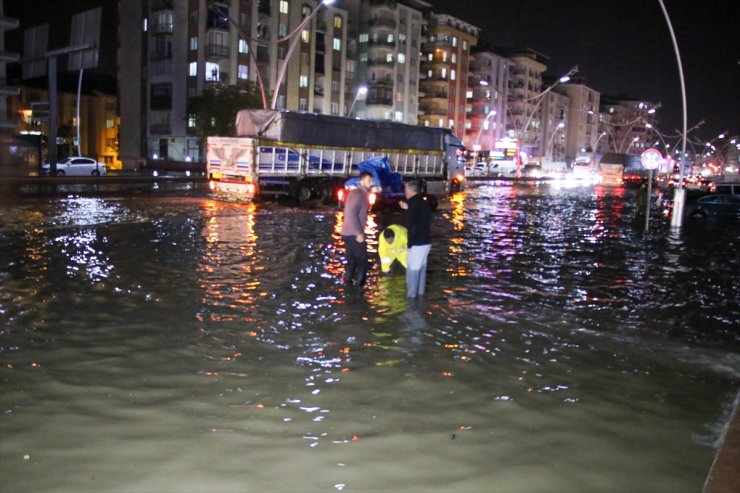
x: 444, y: 56
x: 334, y: 86
x: 303, y: 81
x: 452, y: 74
x: 401, y: 58
x: 212, y: 71
x: 465, y: 45
x: 243, y: 46
x: 194, y: 43
x: 337, y: 44
x: 109, y: 123
x: 161, y: 96
x: 243, y: 72
x: 430, y: 56
x: 399, y: 78
x: 193, y: 69
x: 453, y: 58
x: 390, y: 38
x: 281, y: 101
x: 469, y: 94
x: 335, y: 108
x: 303, y: 104
x: 454, y: 41
x: 282, y: 30
x: 443, y: 73
x: 338, y: 21
x: 399, y: 116
x: 191, y: 121
x: 402, y: 39
x: 363, y: 57
x: 363, y: 38
x: 306, y: 36
x: 283, y: 6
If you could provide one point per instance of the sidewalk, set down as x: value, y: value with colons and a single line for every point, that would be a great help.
x: 724, y: 476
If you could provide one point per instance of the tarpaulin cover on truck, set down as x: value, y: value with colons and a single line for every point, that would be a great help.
x: 383, y: 178
x: 335, y: 131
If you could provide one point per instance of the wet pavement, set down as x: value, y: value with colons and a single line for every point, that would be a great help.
x: 177, y: 343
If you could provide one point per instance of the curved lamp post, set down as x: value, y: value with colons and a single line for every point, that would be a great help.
x: 284, y: 65
x: 361, y: 91
x: 560, y: 126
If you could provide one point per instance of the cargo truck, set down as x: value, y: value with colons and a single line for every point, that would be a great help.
x: 306, y: 155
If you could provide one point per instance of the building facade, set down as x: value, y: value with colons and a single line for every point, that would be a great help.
x: 525, y: 85
x: 583, y: 119
x: 390, y: 39
x: 628, y: 125
x: 488, y: 91
x: 445, y: 71
x: 554, y: 116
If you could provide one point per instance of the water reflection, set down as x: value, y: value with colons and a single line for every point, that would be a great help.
x: 184, y: 332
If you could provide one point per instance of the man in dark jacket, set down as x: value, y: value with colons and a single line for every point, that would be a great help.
x: 418, y: 220
x: 353, y: 230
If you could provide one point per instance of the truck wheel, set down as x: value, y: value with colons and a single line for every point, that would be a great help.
x: 304, y: 193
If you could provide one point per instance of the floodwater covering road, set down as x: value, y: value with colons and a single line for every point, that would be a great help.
x: 177, y: 343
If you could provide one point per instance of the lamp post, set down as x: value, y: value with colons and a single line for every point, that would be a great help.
x: 636, y: 139
x: 552, y: 138
x: 361, y: 91
x: 596, y: 144
x: 293, y: 43
x: 476, y: 147
x: 541, y: 96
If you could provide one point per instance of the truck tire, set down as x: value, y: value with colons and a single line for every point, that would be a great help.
x: 304, y: 192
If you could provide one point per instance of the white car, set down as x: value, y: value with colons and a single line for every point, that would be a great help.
x: 76, y: 166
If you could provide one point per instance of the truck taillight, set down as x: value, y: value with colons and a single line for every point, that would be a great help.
x: 340, y: 194
x: 460, y: 177
x: 372, y: 198
x: 250, y: 188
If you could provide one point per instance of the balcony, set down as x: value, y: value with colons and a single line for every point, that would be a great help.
x: 214, y: 50
x: 382, y: 22
x: 436, y: 95
x: 379, y: 101
x: 8, y: 23
x: 384, y: 43
x: 158, y: 5
x: 380, y: 62
x: 162, y: 28
x: 159, y: 129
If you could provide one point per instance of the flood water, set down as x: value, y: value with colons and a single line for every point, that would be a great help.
x: 180, y: 344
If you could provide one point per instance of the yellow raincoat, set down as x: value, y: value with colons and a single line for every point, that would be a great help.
x: 396, y: 250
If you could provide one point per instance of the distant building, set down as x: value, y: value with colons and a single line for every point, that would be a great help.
x: 16, y: 154
x: 170, y: 50
x: 583, y: 119
x: 98, y: 115
x: 444, y: 72
x: 525, y: 85
x: 488, y: 91
x: 6, y: 24
x: 554, y: 111
x: 389, y: 43
x: 628, y: 124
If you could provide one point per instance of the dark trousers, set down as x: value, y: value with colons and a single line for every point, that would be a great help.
x: 356, y: 260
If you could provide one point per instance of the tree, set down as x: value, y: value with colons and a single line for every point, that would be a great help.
x: 215, y: 108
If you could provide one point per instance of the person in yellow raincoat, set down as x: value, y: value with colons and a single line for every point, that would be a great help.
x: 392, y: 247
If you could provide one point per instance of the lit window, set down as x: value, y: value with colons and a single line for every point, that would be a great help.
x: 430, y: 56
x: 453, y: 58
x: 193, y: 43
x: 389, y: 57
x: 441, y: 122
x: 402, y: 39
x: 444, y: 56
x: 243, y: 72
x: 145, y: 24
x: 363, y: 57
x: 337, y: 44
x: 109, y: 123
x: 452, y: 74
x: 401, y: 58
x: 454, y: 41
x: 283, y: 6
x: 243, y: 46
x: 191, y: 121
x: 390, y: 38
x: 399, y: 116
x: 282, y: 30
x: 443, y: 73
x: 212, y: 70
x: 363, y: 38
x: 306, y: 36
x: 193, y: 69
x: 335, y: 108
x: 338, y: 21
x: 465, y: 45
x: 303, y: 81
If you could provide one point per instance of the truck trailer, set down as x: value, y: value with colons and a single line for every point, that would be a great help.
x: 307, y: 155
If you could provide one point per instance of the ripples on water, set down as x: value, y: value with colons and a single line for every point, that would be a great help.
x: 183, y: 344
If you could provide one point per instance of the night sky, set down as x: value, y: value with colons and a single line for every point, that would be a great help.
x: 622, y: 47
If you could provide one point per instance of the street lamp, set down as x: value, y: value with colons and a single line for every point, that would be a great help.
x: 293, y: 43
x: 476, y: 147
x: 596, y: 144
x: 552, y: 137
x: 626, y: 151
x: 361, y: 91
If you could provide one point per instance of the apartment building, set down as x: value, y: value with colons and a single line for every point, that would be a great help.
x: 445, y: 70
x: 583, y: 119
x: 488, y: 91
x: 525, y: 85
x: 6, y: 24
x: 170, y: 51
x: 627, y: 123
x: 554, y: 115
x: 389, y: 42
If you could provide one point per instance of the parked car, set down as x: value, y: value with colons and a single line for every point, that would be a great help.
x: 76, y: 166
x: 532, y: 170
x: 715, y: 205
x: 730, y: 188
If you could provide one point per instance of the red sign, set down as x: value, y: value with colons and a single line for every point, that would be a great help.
x: 651, y: 159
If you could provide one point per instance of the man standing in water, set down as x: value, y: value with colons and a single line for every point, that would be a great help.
x: 353, y: 230
x: 419, y: 239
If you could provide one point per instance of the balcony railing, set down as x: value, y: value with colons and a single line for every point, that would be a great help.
x: 382, y: 22
x: 163, y: 28
x: 382, y: 43
x: 217, y: 51
x: 380, y: 101
x: 158, y: 5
